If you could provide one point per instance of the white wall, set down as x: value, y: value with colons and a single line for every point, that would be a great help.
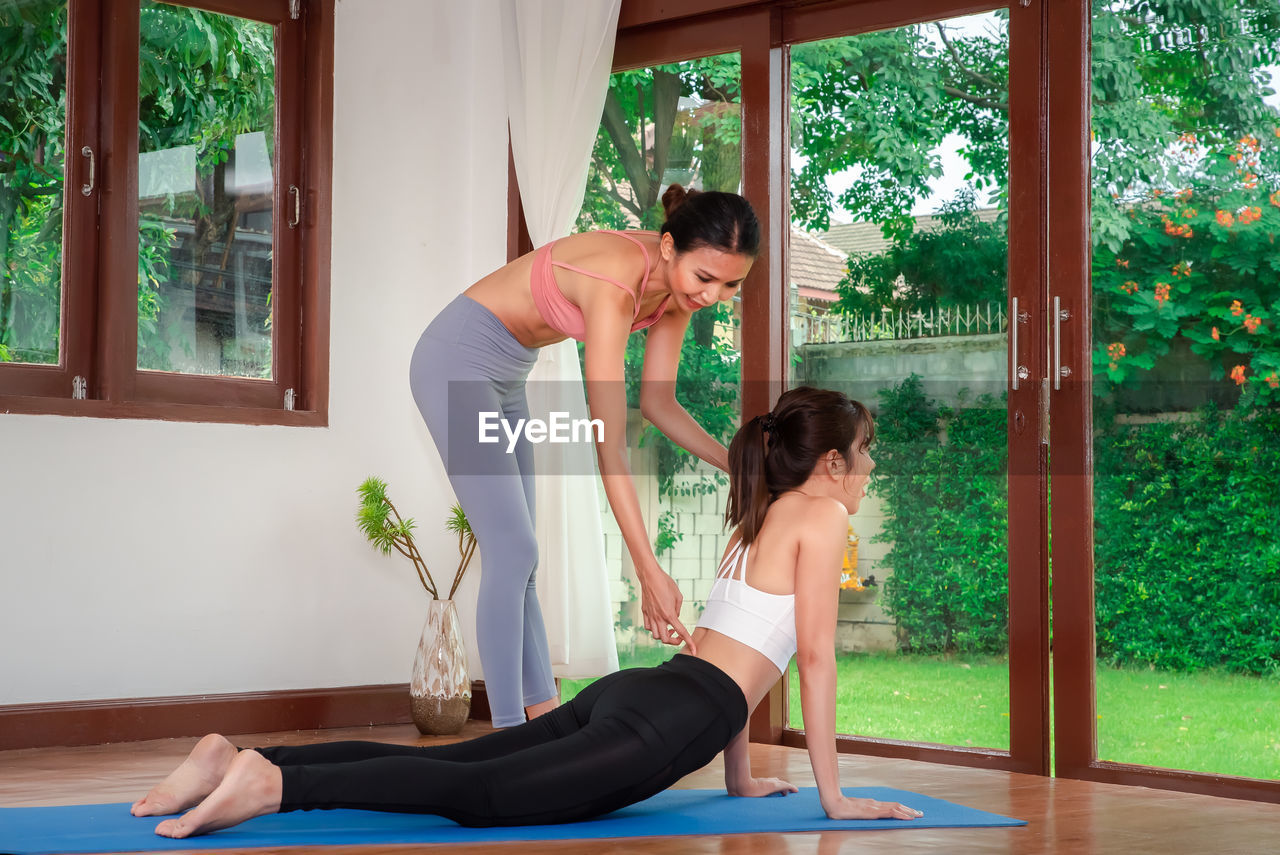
x: 147, y: 558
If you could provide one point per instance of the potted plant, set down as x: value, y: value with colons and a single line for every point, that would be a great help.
x: 440, y: 690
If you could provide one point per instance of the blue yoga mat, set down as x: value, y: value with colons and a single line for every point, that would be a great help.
x: 111, y: 828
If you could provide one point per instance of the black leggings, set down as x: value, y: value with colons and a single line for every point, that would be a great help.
x: 624, y: 738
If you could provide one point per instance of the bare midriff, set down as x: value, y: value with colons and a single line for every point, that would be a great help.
x: 754, y: 673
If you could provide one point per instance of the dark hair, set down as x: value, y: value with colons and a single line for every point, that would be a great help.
x: 776, y: 452
x: 723, y: 221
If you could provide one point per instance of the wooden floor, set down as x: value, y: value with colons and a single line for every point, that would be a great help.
x: 1064, y: 816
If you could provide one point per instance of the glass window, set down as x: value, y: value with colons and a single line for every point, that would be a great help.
x: 898, y: 287
x: 209, y: 300
x: 205, y: 192
x: 1186, y: 381
x: 677, y: 123
x: 33, y: 101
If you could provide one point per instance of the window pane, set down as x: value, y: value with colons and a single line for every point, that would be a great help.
x: 33, y: 88
x: 682, y: 499
x: 1186, y: 378
x: 898, y: 283
x: 205, y: 192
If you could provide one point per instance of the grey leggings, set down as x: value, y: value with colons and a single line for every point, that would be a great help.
x: 466, y: 363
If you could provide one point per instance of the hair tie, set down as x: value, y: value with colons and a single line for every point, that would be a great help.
x: 768, y: 422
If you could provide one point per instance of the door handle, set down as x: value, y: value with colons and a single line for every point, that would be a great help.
x: 1019, y: 371
x: 1059, y: 370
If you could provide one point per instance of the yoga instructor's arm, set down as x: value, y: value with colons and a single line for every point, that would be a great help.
x: 607, y: 312
x: 658, y: 401
x: 822, y: 544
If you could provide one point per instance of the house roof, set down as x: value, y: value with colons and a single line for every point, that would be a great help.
x: 816, y: 267
x: 867, y: 238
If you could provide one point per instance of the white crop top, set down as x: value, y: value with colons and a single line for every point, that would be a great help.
x: 762, y: 621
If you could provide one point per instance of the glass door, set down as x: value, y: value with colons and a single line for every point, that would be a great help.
x: 914, y: 159
x: 1166, y: 467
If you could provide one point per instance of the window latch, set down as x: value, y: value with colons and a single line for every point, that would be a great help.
x: 79, y: 388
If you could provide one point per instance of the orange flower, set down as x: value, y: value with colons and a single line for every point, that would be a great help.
x: 1122, y: 262
x: 1129, y: 287
x: 1251, y: 323
x: 1215, y: 335
x: 1189, y: 213
x: 1237, y: 374
x: 1182, y: 268
x: 1236, y: 308
x: 1226, y: 219
x: 1184, y: 195
x: 1115, y: 351
x: 1275, y: 198
x: 1272, y: 380
x: 1249, y: 215
x: 1162, y: 293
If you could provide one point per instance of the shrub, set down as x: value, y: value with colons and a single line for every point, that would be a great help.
x: 1187, y: 545
x: 1187, y: 554
x: 942, y: 476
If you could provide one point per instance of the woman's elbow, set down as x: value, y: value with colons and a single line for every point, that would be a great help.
x: 653, y: 405
x: 812, y: 660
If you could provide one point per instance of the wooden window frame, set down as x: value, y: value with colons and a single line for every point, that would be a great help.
x: 99, y: 337
x: 1071, y: 408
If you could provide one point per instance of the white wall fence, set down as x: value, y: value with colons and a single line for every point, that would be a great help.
x: 889, y: 324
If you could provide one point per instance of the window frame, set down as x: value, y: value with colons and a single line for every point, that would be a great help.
x: 99, y: 296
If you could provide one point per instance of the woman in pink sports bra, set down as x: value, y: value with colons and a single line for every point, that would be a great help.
x: 598, y: 288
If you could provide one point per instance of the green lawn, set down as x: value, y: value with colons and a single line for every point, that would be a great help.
x: 1207, y: 722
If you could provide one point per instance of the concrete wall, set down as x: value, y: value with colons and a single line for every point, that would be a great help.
x: 946, y: 364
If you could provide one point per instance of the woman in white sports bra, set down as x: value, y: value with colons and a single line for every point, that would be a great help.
x: 796, y: 474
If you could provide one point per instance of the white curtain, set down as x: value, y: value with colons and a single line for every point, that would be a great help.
x: 558, y: 55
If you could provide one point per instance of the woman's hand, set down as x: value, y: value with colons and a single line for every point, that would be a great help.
x: 660, y: 600
x: 758, y: 787
x: 847, y: 808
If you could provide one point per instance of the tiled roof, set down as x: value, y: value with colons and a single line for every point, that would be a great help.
x: 866, y: 237
x: 816, y: 268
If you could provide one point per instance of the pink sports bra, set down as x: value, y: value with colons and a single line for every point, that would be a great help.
x: 565, y: 317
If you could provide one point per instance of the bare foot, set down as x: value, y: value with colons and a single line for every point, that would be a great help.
x: 251, y: 787
x: 538, y: 709
x: 194, y: 779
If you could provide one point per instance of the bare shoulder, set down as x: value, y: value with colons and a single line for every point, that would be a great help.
x: 815, y: 520
x: 609, y: 254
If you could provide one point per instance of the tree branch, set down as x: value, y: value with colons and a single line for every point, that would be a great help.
x: 612, y: 190
x: 990, y: 104
x: 964, y: 69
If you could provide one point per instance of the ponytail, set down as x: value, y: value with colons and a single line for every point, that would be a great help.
x: 748, y: 488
